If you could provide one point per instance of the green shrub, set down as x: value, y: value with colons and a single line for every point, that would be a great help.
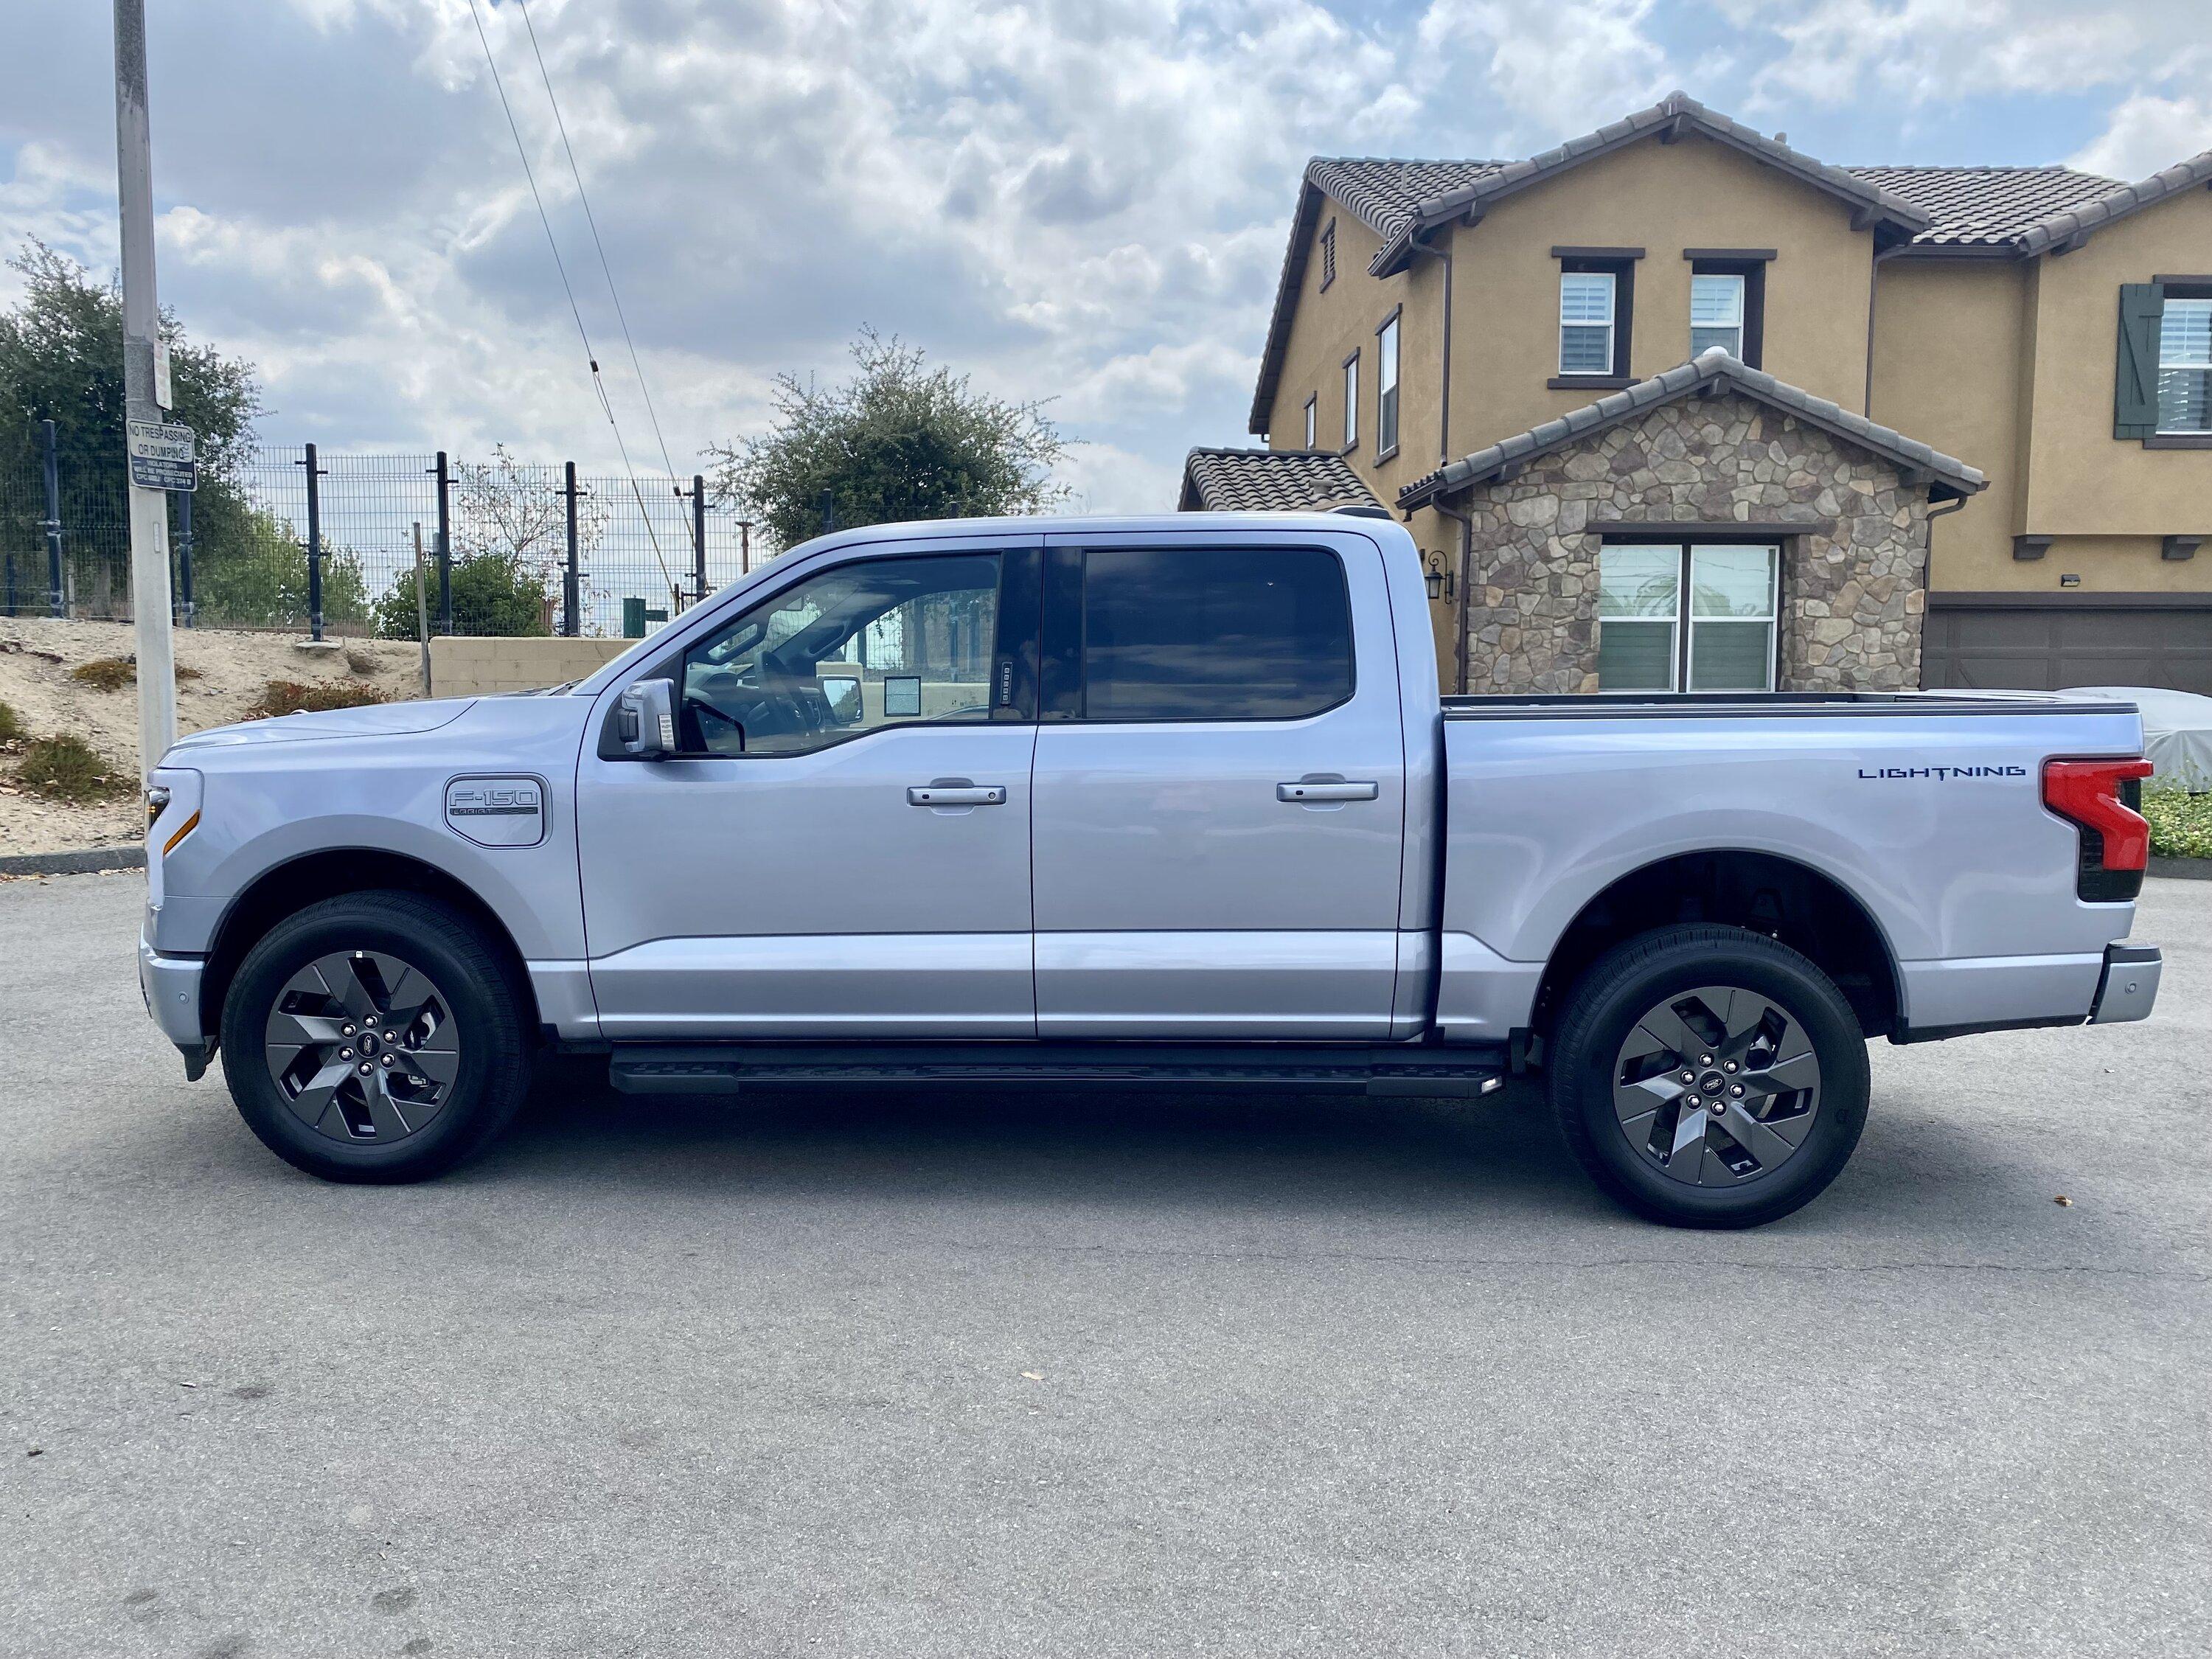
x: 10, y: 727
x: 2180, y: 824
x: 493, y: 593
x: 290, y: 697
x: 65, y: 768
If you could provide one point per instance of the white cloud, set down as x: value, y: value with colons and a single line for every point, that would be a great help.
x: 2146, y: 133
x: 1082, y: 200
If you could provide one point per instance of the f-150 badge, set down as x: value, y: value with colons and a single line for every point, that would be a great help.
x: 497, y: 811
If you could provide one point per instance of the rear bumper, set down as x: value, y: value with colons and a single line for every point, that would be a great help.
x: 2024, y: 994
x: 2129, y: 985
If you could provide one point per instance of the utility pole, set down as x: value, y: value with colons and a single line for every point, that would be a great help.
x: 144, y: 378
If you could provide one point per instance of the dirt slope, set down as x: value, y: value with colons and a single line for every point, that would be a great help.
x: 36, y: 654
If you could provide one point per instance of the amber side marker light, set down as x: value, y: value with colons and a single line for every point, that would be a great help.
x: 170, y: 845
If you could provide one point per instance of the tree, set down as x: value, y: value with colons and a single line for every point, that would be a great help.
x: 61, y: 359
x: 898, y: 441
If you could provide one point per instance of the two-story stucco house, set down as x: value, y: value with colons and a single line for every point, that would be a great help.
x: 1676, y: 406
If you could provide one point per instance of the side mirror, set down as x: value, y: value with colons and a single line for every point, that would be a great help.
x: 648, y: 719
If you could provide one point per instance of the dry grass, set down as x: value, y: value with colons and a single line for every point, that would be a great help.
x: 66, y: 768
x: 106, y: 673
x: 290, y: 697
x: 10, y: 727
x: 114, y: 673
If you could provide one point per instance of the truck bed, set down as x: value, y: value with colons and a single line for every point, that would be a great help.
x: 1925, y: 808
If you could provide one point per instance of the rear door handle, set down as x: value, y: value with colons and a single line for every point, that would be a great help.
x: 951, y: 791
x: 1325, y: 788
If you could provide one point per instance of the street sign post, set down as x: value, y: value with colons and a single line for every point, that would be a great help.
x: 163, y: 455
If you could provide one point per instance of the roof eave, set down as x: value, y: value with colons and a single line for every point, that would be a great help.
x: 1716, y: 372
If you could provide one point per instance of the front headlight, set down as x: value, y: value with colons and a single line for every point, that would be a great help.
x: 173, y: 812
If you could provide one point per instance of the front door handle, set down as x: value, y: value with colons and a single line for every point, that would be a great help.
x: 956, y: 791
x: 1329, y: 787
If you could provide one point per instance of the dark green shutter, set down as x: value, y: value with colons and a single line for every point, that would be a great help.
x: 2134, y: 378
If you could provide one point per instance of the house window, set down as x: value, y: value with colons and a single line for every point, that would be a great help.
x: 1586, y: 321
x: 1329, y: 254
x: 1674, y: 617
x: 1716, y: 313
x: 1386, y: 388
x: 1351, y: 403
x: 2184, y: 365
x: 1312, y: 405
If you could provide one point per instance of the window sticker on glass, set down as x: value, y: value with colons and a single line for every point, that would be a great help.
x: 843, y: 693
x: 901, y: 695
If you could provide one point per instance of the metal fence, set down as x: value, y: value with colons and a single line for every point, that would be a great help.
x: 303, y: 538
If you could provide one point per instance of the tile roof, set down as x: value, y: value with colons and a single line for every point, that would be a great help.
x: 1270, y: 480
x: 1985, y: 206
x: 1387, y: 193
x: 1676, y: 114
x: 1713, y: 368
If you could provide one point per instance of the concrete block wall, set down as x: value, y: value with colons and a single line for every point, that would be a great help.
x: 465, y: 665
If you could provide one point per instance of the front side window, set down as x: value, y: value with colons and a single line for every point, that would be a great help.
x: 1213, y: 634
x: 1697, y: 618
x: 1716, y: 314
x: 1386, y: 388
x: 875, y: 643
x: 2184, y: 366
x: 1351, y: 401
x: 1586, y: 322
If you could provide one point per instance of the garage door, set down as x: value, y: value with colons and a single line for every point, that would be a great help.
x: 2042, y: 642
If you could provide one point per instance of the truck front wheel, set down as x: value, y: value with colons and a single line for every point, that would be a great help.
x: 1709, y: 1077
x: 374, y: 1037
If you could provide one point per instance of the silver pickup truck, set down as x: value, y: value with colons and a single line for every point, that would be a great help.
x: 1163, y: 800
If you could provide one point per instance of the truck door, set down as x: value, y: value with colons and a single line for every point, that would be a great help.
x: 842, y: 848
x: 1220, y: 798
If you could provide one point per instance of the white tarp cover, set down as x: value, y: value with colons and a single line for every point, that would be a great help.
x: 2177, y: 729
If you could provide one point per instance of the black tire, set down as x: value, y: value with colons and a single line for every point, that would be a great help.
x: 495, y: 1049
x: 1602, y: 1013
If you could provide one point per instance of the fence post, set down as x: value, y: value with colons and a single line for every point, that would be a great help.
x: 315, y: 550
x: 698, y: 536
x: 828, y: 513
x: 445, y: 546
x: 744, y: 547
x: 571, y: 586
x: 53, y: 522
x: 185, y: 556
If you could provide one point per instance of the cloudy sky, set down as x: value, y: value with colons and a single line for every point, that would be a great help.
x: 1084, y: 202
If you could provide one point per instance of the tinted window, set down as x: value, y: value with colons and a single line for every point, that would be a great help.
x: 1184, y: 633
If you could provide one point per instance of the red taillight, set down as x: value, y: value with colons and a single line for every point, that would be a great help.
x: 2115, y: 839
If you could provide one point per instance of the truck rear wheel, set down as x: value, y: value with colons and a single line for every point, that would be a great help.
x: 1709, y: 1077
x: 374, y: 1037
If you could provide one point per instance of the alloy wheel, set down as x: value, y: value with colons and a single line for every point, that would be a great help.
x: 1716, y: 1086
x: 363, y: 1047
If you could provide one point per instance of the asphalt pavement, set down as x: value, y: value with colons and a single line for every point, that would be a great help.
x: 965, y: 1373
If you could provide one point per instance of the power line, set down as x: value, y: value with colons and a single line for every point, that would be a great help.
x: 591, y: 220
x: 599, y: 386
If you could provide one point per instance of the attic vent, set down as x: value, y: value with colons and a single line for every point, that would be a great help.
x: 1329, y: 254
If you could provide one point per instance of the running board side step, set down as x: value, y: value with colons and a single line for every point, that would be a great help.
x: 1464, y: 1073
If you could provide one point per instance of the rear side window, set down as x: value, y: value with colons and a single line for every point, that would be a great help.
x: 1213, y: 634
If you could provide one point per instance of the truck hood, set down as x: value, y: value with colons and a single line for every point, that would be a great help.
x: 394, y: 720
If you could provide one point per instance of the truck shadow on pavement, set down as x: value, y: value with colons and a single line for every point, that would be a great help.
x: 1012, y: 1142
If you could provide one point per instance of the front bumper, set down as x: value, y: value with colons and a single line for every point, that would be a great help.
x: 2129, y: 984
x: 171, y: 985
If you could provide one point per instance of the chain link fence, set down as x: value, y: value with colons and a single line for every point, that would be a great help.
x: 506, y: 546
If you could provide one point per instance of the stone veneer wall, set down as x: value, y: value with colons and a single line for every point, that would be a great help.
x: 1854, y: 585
